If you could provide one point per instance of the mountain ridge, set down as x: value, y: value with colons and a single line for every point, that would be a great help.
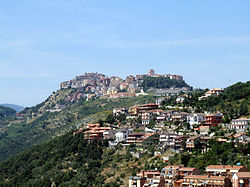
x: 17, y: 108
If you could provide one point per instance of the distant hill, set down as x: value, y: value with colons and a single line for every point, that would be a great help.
x: 6, y: 111
x: 17, y: 108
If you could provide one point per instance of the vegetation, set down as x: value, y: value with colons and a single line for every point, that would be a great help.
x: 6, y: 111
x: 234, y: 101
x: 46, y: 125
x: 69, y: 160
x: 217, y: 154
x: 162, y: 82
x: 66, y: 160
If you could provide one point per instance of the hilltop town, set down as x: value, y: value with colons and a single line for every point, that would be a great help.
x: 99, y: 85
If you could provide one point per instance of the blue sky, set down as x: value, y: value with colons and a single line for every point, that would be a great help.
x: 45, y: 42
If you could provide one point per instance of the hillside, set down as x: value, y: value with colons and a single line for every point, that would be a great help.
x: 40, y: 124
x: 70, y: 160
x: 17, y: 108
x: 234, y: 101
x: 6, y: 111
x: 67, y: 160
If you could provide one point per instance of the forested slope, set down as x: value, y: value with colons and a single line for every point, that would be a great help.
x: 19, y: 137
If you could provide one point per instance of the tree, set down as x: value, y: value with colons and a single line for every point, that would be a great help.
x: 151, y: 124
x: 185, y: 159
x: 243, y: 108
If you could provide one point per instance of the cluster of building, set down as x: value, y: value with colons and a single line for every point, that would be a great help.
x: 178, y: 176
x: 165, y: 134
x: 112, y: 87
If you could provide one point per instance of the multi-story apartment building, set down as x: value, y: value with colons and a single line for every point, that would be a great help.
x: 241, y: 124
x: 213, y: 119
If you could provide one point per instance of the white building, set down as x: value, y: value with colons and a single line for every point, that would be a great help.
x: 180, y: 99
x: 195, y: 119
x: 171, y: 141
x: 241, y: 179
x: 159, y: 100
x: 122, y: 134
x: 213, y: 92
x: 146, y: 117
x: 241, y: 124
x: 118, y: 111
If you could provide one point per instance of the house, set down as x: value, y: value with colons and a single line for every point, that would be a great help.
x: 91, y: 126
x: 213, y: 119
x: 108, y: 134
x: 171, y: 141
x: 212, y: 92
x: 204, y: 129
x: 241, y: 121
x: 147, y: 178
x: 146, y: 107
x: 179, y: 117
x: 241, y: 179
x: 135, y: 181
x: 96, y: 133
x: 195, y: 119
x: 132, y: 137
x: 134, y: 111
x: 242, y: 138
x: 147, y: 140
x: 224, y: 169
x: 159, y: 100
x: 122, y: 134
x: 118, y: 111
x: 174, y: 173
x: 191, y: 142
x: 123, y: 86
x: 148, y: 115
x: 161, y: 118
x: 204, y: 180
x: 241, y: 124
x: 121, y: 95
x: 180, y: 99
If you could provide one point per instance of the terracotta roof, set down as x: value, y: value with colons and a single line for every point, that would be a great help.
x: 205, y: 177
x: 224, y: 167
x: 179, y: 181
x: 149, y: 172
x: 186, y: 169
x: 241, y: 119
x: 243, y: 174
x: 150, y: 104
x: 216, y: 114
